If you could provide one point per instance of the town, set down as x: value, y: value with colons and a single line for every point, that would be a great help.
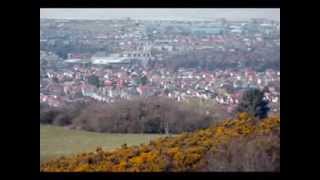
x: 108, y: 60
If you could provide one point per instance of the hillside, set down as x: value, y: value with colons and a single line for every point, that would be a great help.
x: 241, y: 144
x: 57, y: 141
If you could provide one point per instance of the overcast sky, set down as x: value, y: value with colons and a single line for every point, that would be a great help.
x: 161, y: 13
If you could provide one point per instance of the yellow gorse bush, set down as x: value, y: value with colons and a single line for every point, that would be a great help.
x: 180, y: 153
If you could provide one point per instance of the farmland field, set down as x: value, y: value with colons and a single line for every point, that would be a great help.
x: 57, y: 141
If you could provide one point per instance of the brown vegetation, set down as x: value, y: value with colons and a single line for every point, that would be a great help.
x: 140, y: 115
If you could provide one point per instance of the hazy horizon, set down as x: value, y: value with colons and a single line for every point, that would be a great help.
x: 194, y: 14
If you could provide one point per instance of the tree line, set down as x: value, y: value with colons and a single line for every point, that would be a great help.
x: 149, y: 114
x: 258, y: 59
x: 140, y: 115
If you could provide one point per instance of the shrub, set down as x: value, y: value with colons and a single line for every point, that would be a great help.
x: 256, y: 153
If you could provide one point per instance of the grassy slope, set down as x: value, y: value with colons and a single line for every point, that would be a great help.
x: 56, y: 141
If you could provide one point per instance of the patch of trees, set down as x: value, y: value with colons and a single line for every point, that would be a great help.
x: 60, y: 115
x: 140, y: 115
x: 258, y: 59
x: 150, y: 114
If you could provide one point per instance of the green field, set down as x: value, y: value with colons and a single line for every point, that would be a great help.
x: 57, y: 141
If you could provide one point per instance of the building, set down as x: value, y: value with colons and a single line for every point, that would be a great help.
x: 110, y: 60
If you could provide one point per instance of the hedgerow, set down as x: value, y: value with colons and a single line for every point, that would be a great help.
x: 188, y: 151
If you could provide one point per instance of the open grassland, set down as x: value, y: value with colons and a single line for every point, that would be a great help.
x: 57, y: 141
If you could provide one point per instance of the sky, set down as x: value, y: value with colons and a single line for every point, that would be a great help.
x: 235, y: 14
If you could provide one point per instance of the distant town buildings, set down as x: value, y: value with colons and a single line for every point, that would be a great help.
x: 120, y: 54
